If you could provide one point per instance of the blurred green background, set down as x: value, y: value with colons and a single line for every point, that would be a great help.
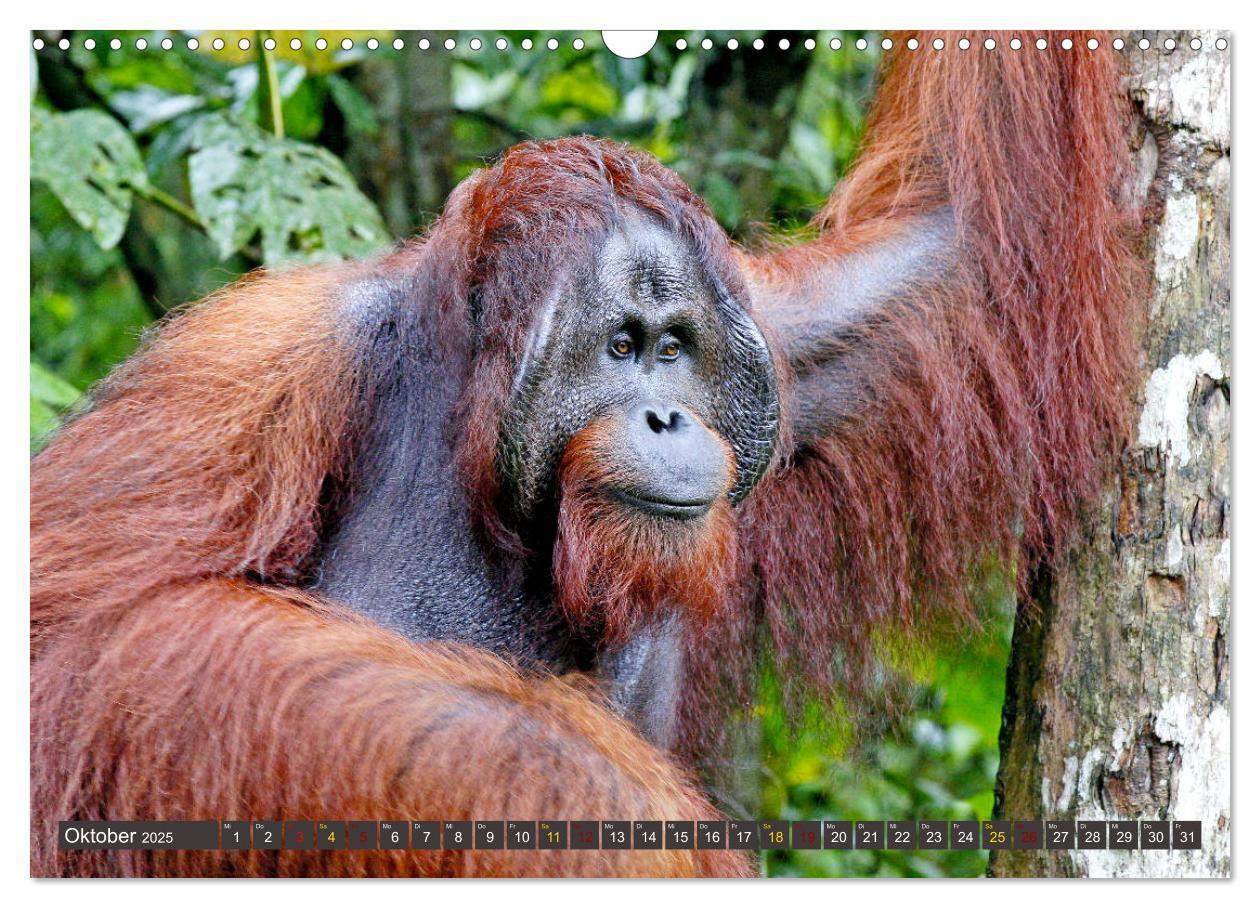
x: 161, y: 171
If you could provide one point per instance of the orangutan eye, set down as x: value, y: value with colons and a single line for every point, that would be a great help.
x: 670, y: 350
x: 621, y: 346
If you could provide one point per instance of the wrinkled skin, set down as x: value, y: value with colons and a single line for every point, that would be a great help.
x: 641, y: 338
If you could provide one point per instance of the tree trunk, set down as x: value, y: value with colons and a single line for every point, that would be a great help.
x: 409, y: 167
x: 1118, y: 691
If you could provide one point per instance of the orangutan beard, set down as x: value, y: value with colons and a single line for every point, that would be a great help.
x: 616, y: 568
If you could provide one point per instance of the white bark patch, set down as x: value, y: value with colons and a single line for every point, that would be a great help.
x: 1165, y: 418
x: 1178, y: 237
x: 1193, y: 94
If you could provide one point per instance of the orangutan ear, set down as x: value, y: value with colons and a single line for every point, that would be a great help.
x: 823, y: 304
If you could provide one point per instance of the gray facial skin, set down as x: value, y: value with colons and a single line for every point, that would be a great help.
x: 642, y: 336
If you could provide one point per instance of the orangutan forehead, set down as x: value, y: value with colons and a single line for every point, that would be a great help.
x: 647, y: 262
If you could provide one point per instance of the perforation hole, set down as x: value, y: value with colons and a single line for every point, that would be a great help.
x: 1042, y: 43
x: 834, y: 43
x: 243, y: 44
x: 1118, y: 44
x: 1016, y: 44
x: 964, y: 43
x: 1066, y: 44
x: 886, y: 44
x: 989, y: 44
x: 938, y: 44
x: 1170, y: 44
x: 501, y: 44
x: 449, y: 44
x: 475, y: 44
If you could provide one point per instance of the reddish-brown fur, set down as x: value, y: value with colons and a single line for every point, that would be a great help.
x: 615, y: 568
x: 176, y: 674
x: 992, y: 398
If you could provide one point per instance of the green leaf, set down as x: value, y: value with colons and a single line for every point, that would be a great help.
x: 354, y: 106
x: 298, y: 199
x: 51, y: 396
x: 90, y: 163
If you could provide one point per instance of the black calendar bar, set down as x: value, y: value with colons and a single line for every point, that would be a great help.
x: 562, y: 835
x: 129, y: 835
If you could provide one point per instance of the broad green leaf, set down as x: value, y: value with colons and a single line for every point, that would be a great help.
x: 297, y: 199
x: 50, y: 397
x: 354, y: 106
x: 90, y: 163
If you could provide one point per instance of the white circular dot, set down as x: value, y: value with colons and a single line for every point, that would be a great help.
x: 347, y: 44
x: 964, y: 43
x: 423, y: 44
x: 270, y: 44
x: 141, y: 44
x: 1092, y: 44
x: 1170, y: 44
x: 552, y: 44
x: 1195, y: 43
x: 1118, y: 44
x: 886, y: 44
x: 167, y: 44
x: 1067, y: 44
x: 989, y: 44
x: 398, y: 44
x: 1042, y: 44
x: 193, y: 44
x: 295, y: 44
x: 38, y: 43
x: 732, y: 44
x: 861, y: 44
x: 320, y: 44
x: 501, y: 44
x: 243, y: 44
x: 373, y: 44
x: 938, y: 44
x: 217, y: 44
x: 1221, y: 44
x: 681, y: 44
x: 810, y: 43
x: 834, y: 43
x: 115, y: 44
x: 578, y: 44
x: 707, y: 43
x: 784, y: 44
x: 64, y: 44
x: 449, y: 43
x: 475, y: 44
x: 913, y: 44
x: 1016, y: 44
x: 1144, y: 44
x: 90, y: 43
x: 527, y: 43
x: 758, y: 44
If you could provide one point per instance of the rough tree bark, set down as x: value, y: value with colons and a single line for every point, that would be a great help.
x: 1118, y: 699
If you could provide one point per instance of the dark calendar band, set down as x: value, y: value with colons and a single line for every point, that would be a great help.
x: 559, y: 835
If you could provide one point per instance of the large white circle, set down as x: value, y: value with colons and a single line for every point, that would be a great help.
x: 629, y: 44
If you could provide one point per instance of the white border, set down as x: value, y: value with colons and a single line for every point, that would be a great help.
x: 572, y: 15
